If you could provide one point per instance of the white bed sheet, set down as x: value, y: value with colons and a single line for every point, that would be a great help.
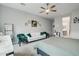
x: 59, y: 46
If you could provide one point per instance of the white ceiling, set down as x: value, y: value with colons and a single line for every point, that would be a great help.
x: 34, y: 8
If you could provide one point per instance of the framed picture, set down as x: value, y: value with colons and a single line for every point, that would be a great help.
x: 34, y: 23
x: 76, y: 20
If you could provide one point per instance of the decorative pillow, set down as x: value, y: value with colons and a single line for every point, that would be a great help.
x: 35, y: 34
x: 29, y: 35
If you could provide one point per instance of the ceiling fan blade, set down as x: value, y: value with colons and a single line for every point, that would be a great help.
x: 42, y: 7
x: 52, y: 6
x: 53, y: 10
x: 41, y: 11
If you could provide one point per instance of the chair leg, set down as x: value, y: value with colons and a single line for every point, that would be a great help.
x: 19, y: 43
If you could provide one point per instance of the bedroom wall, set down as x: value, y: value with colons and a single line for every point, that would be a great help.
x: 19, y: 18
x: 0, y: 23
x: 74, y: 27
x: 74, y: 33
x: 58, y: 24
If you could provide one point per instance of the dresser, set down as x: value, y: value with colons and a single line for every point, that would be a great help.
x: 6, y: 47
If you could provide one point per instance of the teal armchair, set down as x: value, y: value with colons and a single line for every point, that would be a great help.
x: 21, y: 38
x: 45, y: 33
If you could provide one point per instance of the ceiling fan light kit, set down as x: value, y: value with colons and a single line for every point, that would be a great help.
x: 47, y: 10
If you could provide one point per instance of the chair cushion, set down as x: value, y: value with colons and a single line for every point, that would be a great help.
x: 29, y: 35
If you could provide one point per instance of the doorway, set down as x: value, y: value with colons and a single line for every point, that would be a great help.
x: 66, y: 26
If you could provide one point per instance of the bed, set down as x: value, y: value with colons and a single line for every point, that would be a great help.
x: 58, y: 47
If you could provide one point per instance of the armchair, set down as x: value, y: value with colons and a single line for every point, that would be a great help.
x: 47, y: 34
x: 22, y: 38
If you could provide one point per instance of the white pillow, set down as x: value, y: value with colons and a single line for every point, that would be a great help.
x: 35, y: 34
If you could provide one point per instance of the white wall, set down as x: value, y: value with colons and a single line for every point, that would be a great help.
x: 19, y: 18
x: 74, y: 27
x: 58, y: 24
x: 74, y: 31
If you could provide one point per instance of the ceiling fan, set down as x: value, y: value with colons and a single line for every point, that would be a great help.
x: 50, y: 8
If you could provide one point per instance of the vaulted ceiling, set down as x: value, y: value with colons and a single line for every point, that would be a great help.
x: 34, y: 8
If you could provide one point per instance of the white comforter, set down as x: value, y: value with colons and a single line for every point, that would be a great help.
x: 59, y: 46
